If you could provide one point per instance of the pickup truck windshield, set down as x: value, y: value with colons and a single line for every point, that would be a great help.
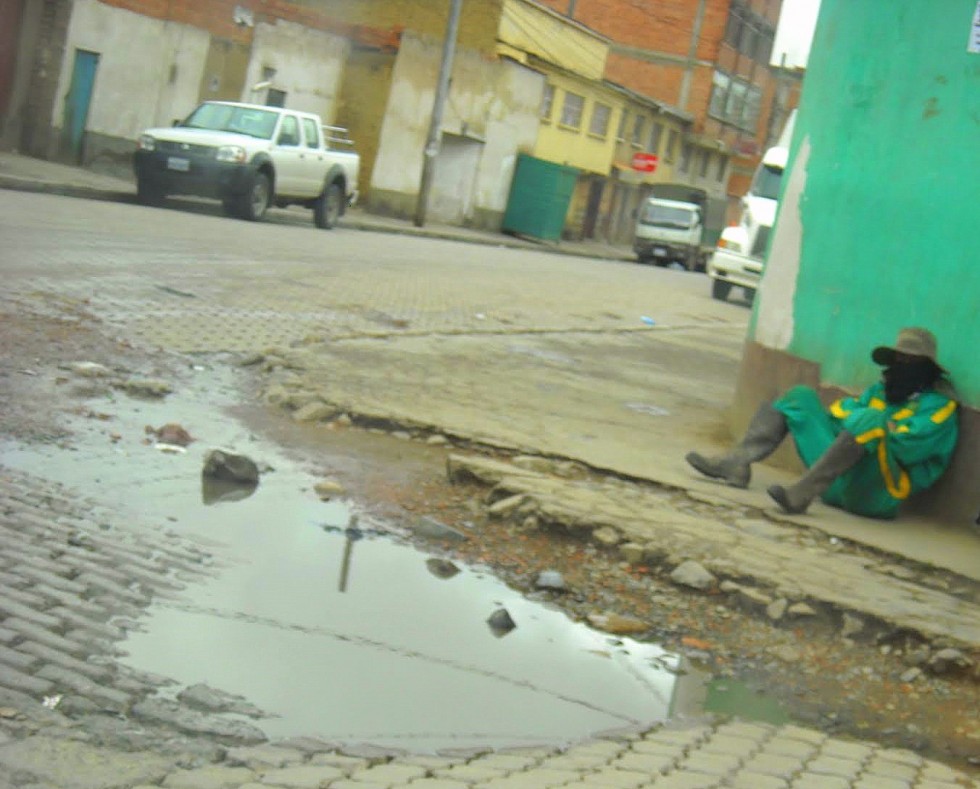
x: 667, y: 216
x: 241, y: 120
x: 767, y: 182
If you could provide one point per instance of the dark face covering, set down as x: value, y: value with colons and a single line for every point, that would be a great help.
x: 904, y: 379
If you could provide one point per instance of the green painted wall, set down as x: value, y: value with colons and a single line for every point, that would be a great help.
x: 889, y: 214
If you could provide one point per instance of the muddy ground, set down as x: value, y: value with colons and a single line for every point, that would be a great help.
x: 841, y: 685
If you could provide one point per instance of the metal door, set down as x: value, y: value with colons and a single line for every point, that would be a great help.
x: 77, y: 103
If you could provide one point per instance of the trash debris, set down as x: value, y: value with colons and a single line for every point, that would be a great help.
x: 651, y: 410
x: 170, y: 433
x: 500, y: 622
x: 171, y: 449
x: 89, y: 370
x: 326, y: 489
x: 224, y: 465
x: 146, y: 387
x: 51, y: 702
x: 648, y: 320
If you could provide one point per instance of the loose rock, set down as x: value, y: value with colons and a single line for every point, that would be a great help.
x: 949, y: 659
x: 550, y: 579
x: 618, y: 624
x: 500, y: 622
x: 607, y: 536
x: 776, y: 609
x: 693, y: 575
x: 227, y: 466
x: 314, y: 412
x: 433, y: 529
x: 851, y: 626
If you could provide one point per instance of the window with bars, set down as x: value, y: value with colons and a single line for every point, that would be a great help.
x: 547, y: 102
x: 621, y: 133
x: 600, y: 119
x: 687, y: 151
x: 705, y: 163
x: 638, y: 125
x: 671, y: 145
x: 749, y: 33
x: 571, y: 110
x: 734, y: 101
x: 656, y: 132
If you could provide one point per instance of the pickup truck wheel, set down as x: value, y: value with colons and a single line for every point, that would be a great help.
x: 148, y: 193
x: 255, y: 201
x: 720, y: 289
x: 327, y: 208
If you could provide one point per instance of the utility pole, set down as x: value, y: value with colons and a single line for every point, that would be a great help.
x: 435, y: 126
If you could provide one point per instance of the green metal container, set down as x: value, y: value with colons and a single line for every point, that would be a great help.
x: 539, y: 198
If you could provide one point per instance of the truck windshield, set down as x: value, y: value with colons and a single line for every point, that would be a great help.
x: 667, y: 216
x: 241, y: 120
x: 767, y: 181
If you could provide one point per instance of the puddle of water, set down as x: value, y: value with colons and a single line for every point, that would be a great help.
x: 344, y: 631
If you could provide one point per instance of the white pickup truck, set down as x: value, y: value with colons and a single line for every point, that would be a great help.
x: 248, y: 156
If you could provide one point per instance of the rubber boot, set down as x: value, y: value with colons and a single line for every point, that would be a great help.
x: 765, y: 432
x: 839, y: 457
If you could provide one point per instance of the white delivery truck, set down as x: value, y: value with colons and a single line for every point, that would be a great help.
x: 741, y: 250
x: 669, y: 231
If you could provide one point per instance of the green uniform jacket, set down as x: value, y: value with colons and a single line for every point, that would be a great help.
x: 908, y: 444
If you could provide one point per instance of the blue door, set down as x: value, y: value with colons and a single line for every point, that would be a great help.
x: 77, y: 103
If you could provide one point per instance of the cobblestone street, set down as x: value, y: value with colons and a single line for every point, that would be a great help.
x: 352, y: 321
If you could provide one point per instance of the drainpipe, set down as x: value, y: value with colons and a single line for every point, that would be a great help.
x: 435, y: 126
x: 692, y: 54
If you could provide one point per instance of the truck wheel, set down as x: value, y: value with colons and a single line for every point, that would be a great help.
x: 720, y: 289
x: 328, y: 206
x: 148, y: 193
x: 253, y: 203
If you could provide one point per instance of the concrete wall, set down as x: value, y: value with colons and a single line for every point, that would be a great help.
x: 493, y: 104
x: 308, y: 63
x: 876, y: 228
x: 148, y: 74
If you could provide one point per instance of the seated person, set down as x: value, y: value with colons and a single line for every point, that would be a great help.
x: 867, y: 454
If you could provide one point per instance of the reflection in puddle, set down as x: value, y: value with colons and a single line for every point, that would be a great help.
x: 352, y: 636
x: 337, y: 629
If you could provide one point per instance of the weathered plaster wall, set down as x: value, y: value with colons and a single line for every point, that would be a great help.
x: 309, y: 66
x: 492, y: 103
x: 148, y: 74
x: 366, y: 87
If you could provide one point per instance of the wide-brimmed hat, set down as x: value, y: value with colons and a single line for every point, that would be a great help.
x: 912, y: 341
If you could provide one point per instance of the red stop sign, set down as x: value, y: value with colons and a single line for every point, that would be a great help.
x: 645, y: 162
